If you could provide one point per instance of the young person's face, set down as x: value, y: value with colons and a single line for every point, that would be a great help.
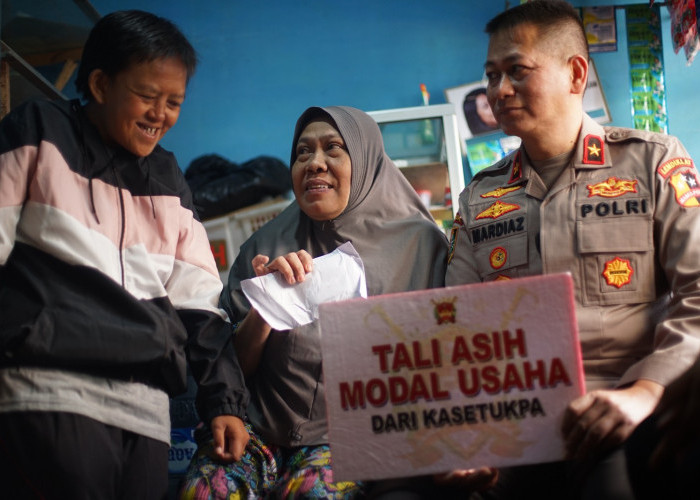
x: 321, y: 173
x: 136, y: 107
x: 529, y: 82
x: 483, y: 109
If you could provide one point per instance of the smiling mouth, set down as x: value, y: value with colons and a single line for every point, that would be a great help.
x: 317, y: 187
x: 149, y: 130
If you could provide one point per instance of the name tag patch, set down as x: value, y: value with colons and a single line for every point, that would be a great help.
x: 498, y: 229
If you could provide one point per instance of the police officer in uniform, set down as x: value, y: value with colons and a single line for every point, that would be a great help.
x: 617, y: 208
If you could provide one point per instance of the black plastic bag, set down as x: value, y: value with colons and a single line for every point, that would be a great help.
x: 220, y: 186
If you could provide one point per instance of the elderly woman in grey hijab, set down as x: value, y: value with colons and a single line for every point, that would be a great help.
x: 346, y: 189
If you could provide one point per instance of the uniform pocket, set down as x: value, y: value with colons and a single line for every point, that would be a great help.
x: 617, y: 259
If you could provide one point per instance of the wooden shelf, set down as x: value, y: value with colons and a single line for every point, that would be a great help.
x: 41, y: 35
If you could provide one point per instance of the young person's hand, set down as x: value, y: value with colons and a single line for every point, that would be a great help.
x: 230, y: 437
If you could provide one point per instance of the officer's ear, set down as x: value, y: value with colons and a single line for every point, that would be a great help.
x: 578, y: 66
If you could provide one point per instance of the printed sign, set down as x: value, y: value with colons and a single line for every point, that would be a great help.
x: 459, y: 377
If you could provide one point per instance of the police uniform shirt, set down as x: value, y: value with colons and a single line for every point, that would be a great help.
x: 624, y: 219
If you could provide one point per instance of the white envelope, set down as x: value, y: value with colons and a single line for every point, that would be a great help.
x: 339, y: 275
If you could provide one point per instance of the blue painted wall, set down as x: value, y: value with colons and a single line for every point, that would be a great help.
x: 263, y: 63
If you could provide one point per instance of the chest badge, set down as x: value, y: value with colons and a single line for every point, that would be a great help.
x: 618, y: 272
x: 612, y: 188
x: 501, y: 191
x: 498, y: 257
x: 496, y: 210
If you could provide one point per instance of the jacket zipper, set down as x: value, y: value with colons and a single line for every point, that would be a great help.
x: 122, y: 229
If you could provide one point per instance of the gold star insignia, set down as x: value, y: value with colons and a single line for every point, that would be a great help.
x: 594, y: 150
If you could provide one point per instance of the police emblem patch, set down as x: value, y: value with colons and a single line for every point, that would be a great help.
x: 618, y: 272
x: 687, y: 187
x: 593, y: 152
x: 496, y: 210
x: 445, y: 310
x: 612, y: 188
x: 498, y: 257
x: 498, y: 192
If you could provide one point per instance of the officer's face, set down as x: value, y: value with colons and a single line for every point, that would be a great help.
x: 528, y: 82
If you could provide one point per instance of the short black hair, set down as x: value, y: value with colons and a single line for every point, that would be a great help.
x: 548, y: 16
x: 127, y: 37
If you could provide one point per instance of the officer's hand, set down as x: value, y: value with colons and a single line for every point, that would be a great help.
x: 601, y: 420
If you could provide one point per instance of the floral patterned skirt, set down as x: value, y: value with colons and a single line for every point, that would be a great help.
x: 265, y: 472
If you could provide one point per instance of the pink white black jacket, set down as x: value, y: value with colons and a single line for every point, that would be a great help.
x: 104, y: 266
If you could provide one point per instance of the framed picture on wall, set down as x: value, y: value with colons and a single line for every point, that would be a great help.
x: 474, y: 116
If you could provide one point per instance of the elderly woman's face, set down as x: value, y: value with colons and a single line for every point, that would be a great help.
x: 138, y: 106
x: 321, y: 172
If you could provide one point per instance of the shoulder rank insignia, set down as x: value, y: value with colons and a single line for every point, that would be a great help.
x: 618, y: 272
x: 497, y: 209
x: 498, y: 257
x: 593, y: 152
x: 501, y: 191
x: 612, y: 188
x: 517, y: 173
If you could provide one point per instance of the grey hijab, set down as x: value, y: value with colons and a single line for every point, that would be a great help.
x: 400, y: 245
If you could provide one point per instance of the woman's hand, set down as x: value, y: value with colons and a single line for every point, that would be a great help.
x: 253, y: 331
x: 293, y: 266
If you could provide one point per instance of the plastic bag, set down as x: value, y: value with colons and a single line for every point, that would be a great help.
x: 220, y: 186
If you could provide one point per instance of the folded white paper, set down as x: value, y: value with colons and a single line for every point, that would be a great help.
x: 339, y: 275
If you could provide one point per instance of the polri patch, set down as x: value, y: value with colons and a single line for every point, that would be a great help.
x: 612, y: 188
x: 618, y: 272
x: 593, y: 150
